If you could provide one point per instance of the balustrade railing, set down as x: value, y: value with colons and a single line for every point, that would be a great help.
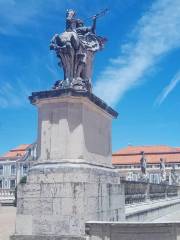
x: 7, y: 195
x: 141, y: 191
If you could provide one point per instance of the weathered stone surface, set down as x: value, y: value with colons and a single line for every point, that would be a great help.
x: 73, y: 129
x: 133, y: 231
x: 63, y: 207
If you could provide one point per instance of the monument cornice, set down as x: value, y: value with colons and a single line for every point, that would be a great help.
x: 55, y: 93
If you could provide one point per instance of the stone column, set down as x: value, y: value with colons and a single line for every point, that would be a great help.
x: 73, y: 180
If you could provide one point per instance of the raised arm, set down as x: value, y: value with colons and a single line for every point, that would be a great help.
x: 94, y: 24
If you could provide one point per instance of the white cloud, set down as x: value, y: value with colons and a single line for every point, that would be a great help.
x: 14, y: 14
x: 13, y: 96
x: 168, y: 89
x: 156, y: 33
x: 17, y: 13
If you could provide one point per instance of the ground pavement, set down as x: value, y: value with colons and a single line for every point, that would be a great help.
x: 7, y: 222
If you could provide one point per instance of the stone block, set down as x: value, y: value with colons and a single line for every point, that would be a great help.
x: 65, y: 206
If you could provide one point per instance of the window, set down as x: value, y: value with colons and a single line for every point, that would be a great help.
x: 135, y: 177
x: 29, y: 152
x: 25, y: 168
x: 129, y: 176
x: 13, y: 169
x: 1, y: 169
x: 0, y: 184
x: 151, y: 177
x: 154, y: 178
x: 119, y: 166
x: 5, y: 183
x: 12, y: 184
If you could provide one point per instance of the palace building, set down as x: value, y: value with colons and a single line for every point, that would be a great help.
x: 13, y: 166
x: 127, y: 160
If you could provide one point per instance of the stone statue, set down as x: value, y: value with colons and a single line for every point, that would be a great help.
x: 75, y: 49
x: 143, y: 164
x: 163, y: 170
x: 174, y: 175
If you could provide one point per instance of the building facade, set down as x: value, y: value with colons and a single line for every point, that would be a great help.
x: 15, y: 164
x: 127, y: 161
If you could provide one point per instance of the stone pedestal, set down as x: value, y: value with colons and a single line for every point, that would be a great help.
x: 73, y: 180
x: 73, y: 129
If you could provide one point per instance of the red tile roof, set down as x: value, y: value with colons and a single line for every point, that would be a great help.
x: 21, y: 147
x: 132, y: 154
x: 19, y: 151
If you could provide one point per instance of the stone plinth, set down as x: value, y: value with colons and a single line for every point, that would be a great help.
x: 73, y: 180
x: 73, y: 128
x: 59, y: 199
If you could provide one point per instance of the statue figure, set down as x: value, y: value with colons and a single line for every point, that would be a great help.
x: 163, y: 170
x: 143, y: 164
x: 75, y: 49
x: 174, y: 175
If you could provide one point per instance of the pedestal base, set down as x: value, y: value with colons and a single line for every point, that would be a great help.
x: 58, y: 199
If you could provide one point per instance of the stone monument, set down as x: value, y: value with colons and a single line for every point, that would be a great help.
x: 73, y: 180
x: 75, y: 49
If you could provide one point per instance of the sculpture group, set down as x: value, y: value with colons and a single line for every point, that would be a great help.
x: 75, y: 49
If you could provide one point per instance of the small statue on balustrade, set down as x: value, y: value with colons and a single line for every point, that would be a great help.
x: 143, y: 165
x: 163, y: 170
x: 174, y: 175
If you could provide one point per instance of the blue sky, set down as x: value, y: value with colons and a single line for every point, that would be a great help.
x: 138, y: 72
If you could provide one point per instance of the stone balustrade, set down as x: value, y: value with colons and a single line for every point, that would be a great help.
x: 7, y: 196
x: 133, y: 231
x: 141, y: 191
